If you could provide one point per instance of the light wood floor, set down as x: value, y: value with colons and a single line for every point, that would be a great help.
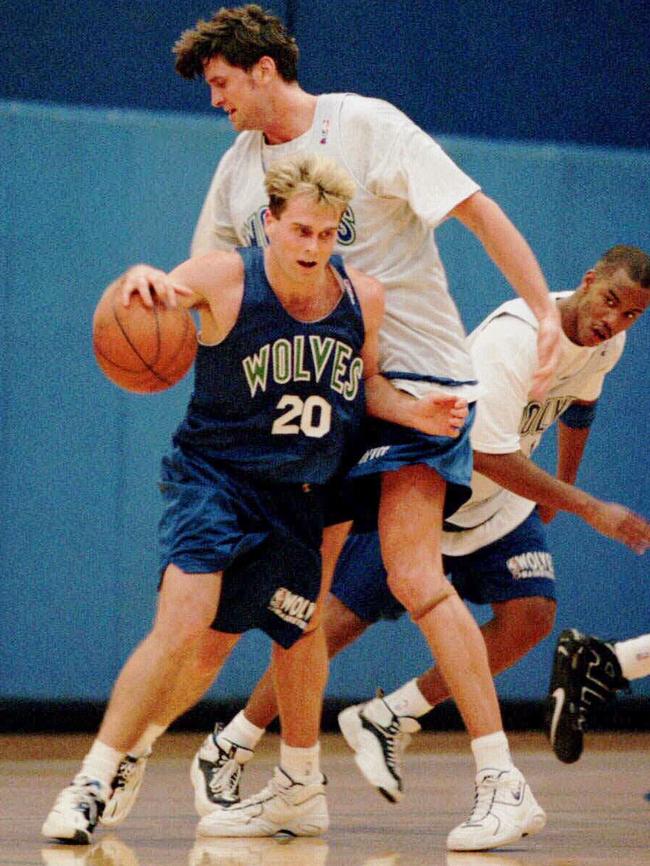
x: 598, y: 809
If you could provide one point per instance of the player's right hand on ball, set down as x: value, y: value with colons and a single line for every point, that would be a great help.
x: 145, y: 280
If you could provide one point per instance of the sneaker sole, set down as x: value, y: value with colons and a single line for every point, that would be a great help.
x: 535, y: 825
x: 558, y: 701
x: 352, y: 730
x: 350, y: 726
x: 244, y: 831
x: 236, y: 829
x: 122, y: 812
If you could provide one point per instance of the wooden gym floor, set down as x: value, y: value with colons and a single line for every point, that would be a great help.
x: 598, y: 809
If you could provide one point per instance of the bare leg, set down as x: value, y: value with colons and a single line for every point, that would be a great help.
x: 517, y: 626
x: 410, y: 525
x: 198, y: 675
x: 149, y: 679
x: 262, y: 706
x: 300, y: 676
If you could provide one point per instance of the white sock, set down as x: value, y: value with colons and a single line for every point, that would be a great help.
x: 241, y: 732
x: 303, y: 765
x: 101, y: 763
x: 146, y: 741
x: 492, y: 751
x: 634, y: 657
x: 408, y: 700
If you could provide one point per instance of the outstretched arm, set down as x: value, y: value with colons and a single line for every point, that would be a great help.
x: 518, y: 473
x: 510, y: 252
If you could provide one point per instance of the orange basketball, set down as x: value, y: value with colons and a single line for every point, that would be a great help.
x: 143, y: 349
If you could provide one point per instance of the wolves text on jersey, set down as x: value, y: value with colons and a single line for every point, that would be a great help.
x: 253, y: 234
x: 297, y: 361
x: 538, y: 416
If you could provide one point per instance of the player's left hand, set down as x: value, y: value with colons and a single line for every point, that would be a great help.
x: 548, y: 353
x: 439, y: 414
x: 621, y: 524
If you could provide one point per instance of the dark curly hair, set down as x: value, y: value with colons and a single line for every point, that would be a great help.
x: 241, y: 36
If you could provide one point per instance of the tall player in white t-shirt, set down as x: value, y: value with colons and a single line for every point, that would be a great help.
x: 406, y: 187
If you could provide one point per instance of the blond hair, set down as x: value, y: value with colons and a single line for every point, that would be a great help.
x: 308, y: 173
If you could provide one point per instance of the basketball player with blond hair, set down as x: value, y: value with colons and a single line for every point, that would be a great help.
x: 287, y: 348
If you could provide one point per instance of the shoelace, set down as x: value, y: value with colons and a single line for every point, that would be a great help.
x: 395, y: 741
x: 484, y: 794
x: 222, y: 777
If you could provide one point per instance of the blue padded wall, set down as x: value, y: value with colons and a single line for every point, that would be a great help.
x: 87, y: 192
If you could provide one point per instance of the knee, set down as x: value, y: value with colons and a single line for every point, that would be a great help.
x: 183, y: 632
x: 413, y: 587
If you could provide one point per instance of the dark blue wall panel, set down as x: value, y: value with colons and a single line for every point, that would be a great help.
x: 551, y: 70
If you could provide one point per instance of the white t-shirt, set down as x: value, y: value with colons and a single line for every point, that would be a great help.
x: 504, y: 351
x: 406, y: 186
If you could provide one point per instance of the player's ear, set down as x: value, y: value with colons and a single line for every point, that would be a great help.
x: 264, y: 70
x: 269, y: 219
x: 587, y: 280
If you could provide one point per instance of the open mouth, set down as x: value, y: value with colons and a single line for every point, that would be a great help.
x: 304, y: 264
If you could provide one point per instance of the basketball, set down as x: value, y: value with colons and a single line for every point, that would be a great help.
x: 143, y: 349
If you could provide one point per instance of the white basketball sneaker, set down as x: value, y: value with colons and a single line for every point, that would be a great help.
x: 379, y: 738
x: 76, y: 811
x: 124, y: 789
x: 283, y: 806
x: 504, y: 811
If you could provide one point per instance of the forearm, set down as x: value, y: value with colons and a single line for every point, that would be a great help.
x: 571, y: 446
x: 385, y: 401
x: 519, y: 474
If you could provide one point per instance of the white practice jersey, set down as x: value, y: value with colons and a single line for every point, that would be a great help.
x: 504, y: 351
x: 406, y: 185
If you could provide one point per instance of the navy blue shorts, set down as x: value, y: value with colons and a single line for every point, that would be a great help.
x: 391, y: 446
x: 518, y: 565
x: 264, y: 538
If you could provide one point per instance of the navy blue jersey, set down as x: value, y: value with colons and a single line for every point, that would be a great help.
x: 278, y: 399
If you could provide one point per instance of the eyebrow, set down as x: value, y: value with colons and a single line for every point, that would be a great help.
x: 612, y: 293
x: 307, y: 226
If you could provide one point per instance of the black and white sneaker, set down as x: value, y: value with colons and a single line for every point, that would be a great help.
x: 586, y: 675
x: 378, y: 738
x: 216, y: 773
x: 76, y: 811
